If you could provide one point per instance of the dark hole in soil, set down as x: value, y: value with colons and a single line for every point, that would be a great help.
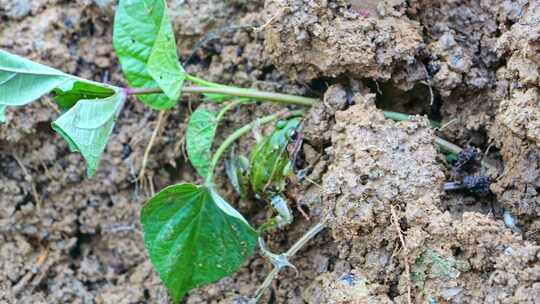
x: 146, y: 293
x: 415, y: 101
x: 266, y: 70
x: 321, y: 84
x: 44, y: 127
x: 82, y: 239
x: 456, y: 251
x: 393, y: 291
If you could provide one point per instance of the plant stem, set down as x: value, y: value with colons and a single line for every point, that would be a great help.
x: 447, y: 146
x: 311, y: 233
x: 238, y: 92
x: 283, y: 99
x: 397, y: 116
x: 203, y: 82
x: 444, y: 145
x: 239, y: 133
x: 229, y: 106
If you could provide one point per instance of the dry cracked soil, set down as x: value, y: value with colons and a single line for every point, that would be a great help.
x: 393, y: 234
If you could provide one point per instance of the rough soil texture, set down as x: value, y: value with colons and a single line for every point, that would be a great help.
x: 473, y: 65
x: 385, y: 173
x: 324, y: 38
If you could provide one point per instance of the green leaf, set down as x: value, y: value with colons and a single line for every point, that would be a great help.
x: 194, y: 237
x: 68, y: 93
x: 144, y: 42
x: 270, y: 159
x: 88, y: 125
x: 200, y: 135
x: 23, y: 81
x: 163, y: 64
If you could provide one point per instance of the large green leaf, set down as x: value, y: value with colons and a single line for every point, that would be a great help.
x: 144, y: 42
x: 88, y: 125
x: 23, y: 81
x: 194, y: 237
x: 199, y: 138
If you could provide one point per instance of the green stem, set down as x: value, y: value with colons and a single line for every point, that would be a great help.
x: 238, y: 92
x: 278, y: 98
x: 239, y: 133
x: 444, y: 145
x: 396, y: 116
x: 229, y: 106
x: 447, y: 146
x: 203, y: 82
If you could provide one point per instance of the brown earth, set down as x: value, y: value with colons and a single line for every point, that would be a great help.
x: 393, y: 234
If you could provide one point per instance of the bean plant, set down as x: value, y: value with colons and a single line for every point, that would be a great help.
x: 193, y: 236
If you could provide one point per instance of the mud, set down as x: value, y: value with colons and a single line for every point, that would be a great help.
x: 473, y: 65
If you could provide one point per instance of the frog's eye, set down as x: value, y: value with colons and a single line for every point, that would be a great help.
x: 280, y: 124
x: 293, y: 135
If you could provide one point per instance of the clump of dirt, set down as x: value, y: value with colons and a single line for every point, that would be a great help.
x: 516, y: 131
x: 342, y: 288
x: 462, y: 60
x: 310, y: 39
x: 381, y: 196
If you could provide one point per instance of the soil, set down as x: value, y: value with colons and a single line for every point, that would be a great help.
x: 393, y: 234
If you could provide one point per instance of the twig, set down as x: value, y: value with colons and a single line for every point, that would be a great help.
x: 451, y: 122
x: 272, y: 19
x: 291, y: 252
x: 150, y: 144
x: 30, y: 179
x: 405, y: 253
x: 23, y: 282
x: 428, y: 84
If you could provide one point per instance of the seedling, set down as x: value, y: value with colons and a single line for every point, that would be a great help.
x: 193, y: 236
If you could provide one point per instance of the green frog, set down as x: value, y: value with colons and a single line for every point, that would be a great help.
x: 270, y: 165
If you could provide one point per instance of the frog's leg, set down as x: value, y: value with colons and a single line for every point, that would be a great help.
x: 256, y: 130
x: 283, y: 218
x: 275, y: 173
x: 281, y: 205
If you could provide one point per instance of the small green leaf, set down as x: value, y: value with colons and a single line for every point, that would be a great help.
x: 194, y: 237
x: 200, y: 135
x: 270, y: 159
x: 68, y: 93
x: 88, y: 125
x: 2, y: 114
x: 145, y: 44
